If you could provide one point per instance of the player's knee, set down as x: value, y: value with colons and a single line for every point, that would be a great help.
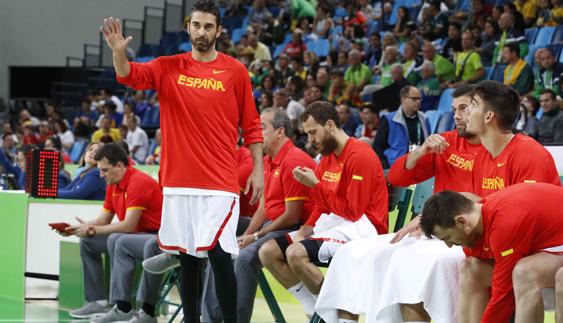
x: 471, y: 271
x: 295, y: 254
x: 559, y: 281
x: 525, y: 276
x: 268, y: 252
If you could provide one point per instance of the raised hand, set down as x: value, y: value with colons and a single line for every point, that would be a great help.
x: 114, y: 35
x: 435, y: 144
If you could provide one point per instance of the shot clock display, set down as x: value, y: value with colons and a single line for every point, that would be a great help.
x: 42, y: 173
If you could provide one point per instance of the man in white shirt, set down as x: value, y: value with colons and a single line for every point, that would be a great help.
x: 137, y: 141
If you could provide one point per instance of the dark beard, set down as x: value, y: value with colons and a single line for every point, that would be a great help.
x: 329, y: 146
x: 202, y: 45
x: 464, y: 134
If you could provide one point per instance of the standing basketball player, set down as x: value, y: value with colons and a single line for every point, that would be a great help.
x: 204, y: 97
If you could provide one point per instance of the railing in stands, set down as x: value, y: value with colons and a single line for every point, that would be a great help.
x: 153, y: 25
x: 70, y: 60
x: 92, y: 57
x: 134, y: 28
x: 173, y: 15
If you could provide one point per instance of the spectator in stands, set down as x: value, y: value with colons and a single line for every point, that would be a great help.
x: 550, y: 126
x: 54, y: 143
x: 137, y: 141
x: 509, y: 34
x: 44, y: 132
x: 107, y: 95
x: 374, y: 50
x: 518, y: 73
x: 297, y: 66
x: 549, y: 72
x: 123, y: 131
x: 129, y: 112
x: 403, y: 130
x: 106, y: 130
x: 348, y: 119
x: 311, y: 63
x: 296, y: 47
x: 316, y: 94
x: 7, y: 128
x: 341, y: 60
x: 390, y: 57
x: 15, y: 169
x: 109, y: 111
x: 358, y: 74
x: 322, y: 22
x: 411, y: 63
x: 154, y: 153
x: 282, y: 67
x: 519, y: 22
x: 544, y: 16
x: 294, y: 87
x: 266, y: 100
x: 261, y: 51
x: 453, y: 42
x: 367, y: 129
x: 400, y: 27
x: 439, y: 27
x: 65, y: 135
x: 293, y: 108
x: 29, y: 136
x: 259, y: 14
x: 268, y: 83
x: 322, y: 80
x: 336, y: 94
x: 468, y: 66
x: 489, y: 37
x: 9, y: 148
x: 526, y: 121
x: 88, y: 185
x: 26, y: 116
x: 136, y: 199
x: 444, y: 69
x: 86, y: 115
x: 429, y: 87
x: 529, y: 10
x: 140, y: 103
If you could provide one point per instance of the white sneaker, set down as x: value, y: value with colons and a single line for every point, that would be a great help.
x: 113, y: 316
x: 143, y: 317
x: 161, y: 263
x: 89, y: 310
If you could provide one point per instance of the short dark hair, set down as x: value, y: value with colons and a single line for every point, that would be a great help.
x: 456, y: 25
x: 280, y: 120
x: 441, y: 209
x: 463, y: 90
x: 550, y: 92
x: 513, y: 48
x: 206, y: 6
x: 502, y: 99
x: 113, y: 152
x: 321, y: 111
x: 404, y: 92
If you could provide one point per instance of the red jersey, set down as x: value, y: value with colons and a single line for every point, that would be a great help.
x: 517, y: 222
x: 452, y: 169
x: 196, y: 100
x: 245, y: 166
x: 522, y: 160
x: 352, y: 184
x: 279, y: 184
x: 136, y: 190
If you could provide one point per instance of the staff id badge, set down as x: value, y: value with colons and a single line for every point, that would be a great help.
x: 413, y: 147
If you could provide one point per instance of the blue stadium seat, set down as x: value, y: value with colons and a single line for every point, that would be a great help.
x: 561, y: 57
x: 446, y: 100
x: 498, y: 73
x: 432, y: 117
x: 446, y: 122
x: 558, y: 35
x: 463, y: 5
x: 322, y: 47
x: 237, y: 35
x: 531, y: 34
x: 555, y: 49
x: 340, y: 12
x: 278, y: 50
x: 338, y: 29
x: 545, y: 35
x: 78, y: 149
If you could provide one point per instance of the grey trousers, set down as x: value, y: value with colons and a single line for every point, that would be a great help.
x: 247, y: 268
x: 125, y: 250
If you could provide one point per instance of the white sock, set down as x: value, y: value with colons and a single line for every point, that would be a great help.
x: 346, y: 321
x: 305, y: 297
x: 102, y: 302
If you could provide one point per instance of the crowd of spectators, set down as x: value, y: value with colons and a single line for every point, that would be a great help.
x: 356, y: 54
